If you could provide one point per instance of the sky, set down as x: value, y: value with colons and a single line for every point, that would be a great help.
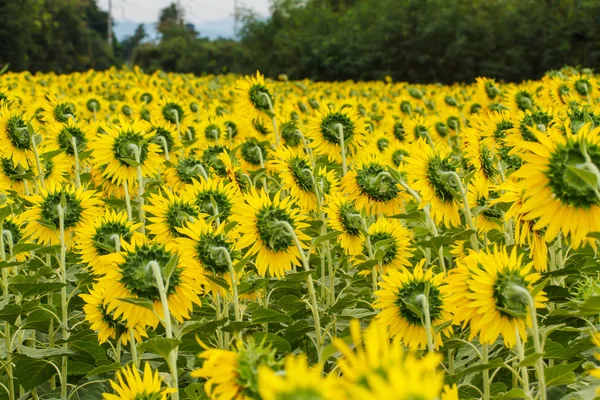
x: 211, y: 18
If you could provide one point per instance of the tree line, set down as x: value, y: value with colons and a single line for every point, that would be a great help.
x: 414, y: 40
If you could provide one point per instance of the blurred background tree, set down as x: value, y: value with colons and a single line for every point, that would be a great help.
x: 417, y: 40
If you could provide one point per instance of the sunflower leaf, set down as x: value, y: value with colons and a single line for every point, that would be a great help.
x: 103, y: 246
x: 85, y: 154
x: 144, y: 303
x: 131, y: 162
x: 325, y: 238
x: 159, y: 346
x: 51, y: 154
x: 5, y: 212
x: 170, y: 268
x: 25, y: 248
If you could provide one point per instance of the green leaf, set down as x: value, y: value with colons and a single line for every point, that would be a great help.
x: 268, y: 315
x: 219, y: 281
x: 159, y: 346
x: 5, y: 212
x: 10, y: 313
x: 514, y: 393
x: 556, y: 351
x: 170, y: 267
x: 85, y: 154
x: 280, y: 345
x: 145, y: 303
x: 342, y: 303
x: 31, y: 372
x: 28, y: 175
x: 47, y: 224
x: 298, y: 276
x: 561, y: 374
x: 49, y: 155
x: 103, y: 246
x: 292, y: 303
x: 25, y: 248
x: 36, y: 289
x: 530, y: 360
x: 325, y: 238
x: 11, y: 264
x: 45, y: 353
x: 131, y: 162
x: 103, y: 369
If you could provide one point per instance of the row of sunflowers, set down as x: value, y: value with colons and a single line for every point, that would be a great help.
x: 219, y: 237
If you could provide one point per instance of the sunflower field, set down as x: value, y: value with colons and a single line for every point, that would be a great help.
x: 169, y: 236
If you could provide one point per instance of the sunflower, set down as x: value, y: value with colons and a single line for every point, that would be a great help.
x: 260, y: 226
x: 15, y: 136
x: 117, y: 151
x: 379, y: 367
x: 519, y: 97
x: 59, y: 109
x: 236, y: 176
x: 426, y: 166
x: 199, y: 246
x: 297, y: 176
x: 212, y: 197
x: 401, y: 292
x: 557, y: 189
x: 418, y: 127
x: 397, y: 251
x: 170, y: 212
x: 130, y: 276
x: 171, y: 111
x: 43, y: 221
x: 212, y: 130
x: 324, y: 131
x: 64, y: 134
x: 372, y: 187
x: 480, y: 157
x: 488, y: 88
x: 299, y: 381
x: 184, y: 172
x: 342, y: 216
x: 14, y: 177
x: 131, y: 386
x: 12, y: 229
x: 254, y: 153
x: 102, y: 321
x: 489, y: 296
x: 253, y: 97
x: 210, y: 159
x: 527, y: 124
x: 479, y: 196
x: 231, y: 374
x: 165, y: 135
x: 103, y: 236
x: 55, y: 168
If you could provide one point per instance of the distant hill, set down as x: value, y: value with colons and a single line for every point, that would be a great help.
x: 211, y: 29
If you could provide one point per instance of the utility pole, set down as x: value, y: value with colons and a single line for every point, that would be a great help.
x: 235, y: 18
x: 109, y: 32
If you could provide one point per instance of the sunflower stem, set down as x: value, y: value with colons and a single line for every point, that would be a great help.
x: 76, y: 155
x: 422, y: 298
x: 127, y: 201
x: 262, y: 165
x: 165, y: 146
x: 136, y: 152
x: 63, y: 300
x: 468, y: 215
x: 236, y: 303
x: 172, y: 360
x: 539, y: 364
x: 7, y: 334
x: 309, y: 282
x: 273, y: 118
x: 309, y: 153
x: 38, y: 164
x: 340, y: 129
x: 486, y: 372
x: 133, y: 349
x: 199, y: 169
x: 430, y: 221
x: 524, y: 373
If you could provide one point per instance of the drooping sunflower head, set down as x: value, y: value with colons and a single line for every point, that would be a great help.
x: 102, y: 321
x: 253, y: 96
x: 14, y: 177
x: 172, y: 111
x: 497, y: 287
x: 58, y: 204
x: 373, y: 187
x: 71, y: 136
x: 488, y: 88
x: 394, y: 239
x: 212, y: 197
x: 519, y: 98
x: 164, y: 135
x: 59, y: 109
x: 168, y: 213
x: 131, y: 386
x: 236, y: 176
x: 430, y: 173
x: 378, y: 365
x: 122, y: 147
x: 133, y: 275
x: 297, y: 381
x: 211, y: 158
x: 343, y: 216
x: 561, y: 184
x: 233, y: 373
x: 331, y: 127
x: 297, y: 176
x: 480, y: 197
x: 12, y: 229
x: 402, y: 293
x: 527, y: 123
x: 184, y: 171
x: 266, y: 225
x: 16, y: 137
x: 480, y: 156
x: 103, y: 236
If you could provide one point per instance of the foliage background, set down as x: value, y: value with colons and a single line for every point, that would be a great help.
x: 410, y: 40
